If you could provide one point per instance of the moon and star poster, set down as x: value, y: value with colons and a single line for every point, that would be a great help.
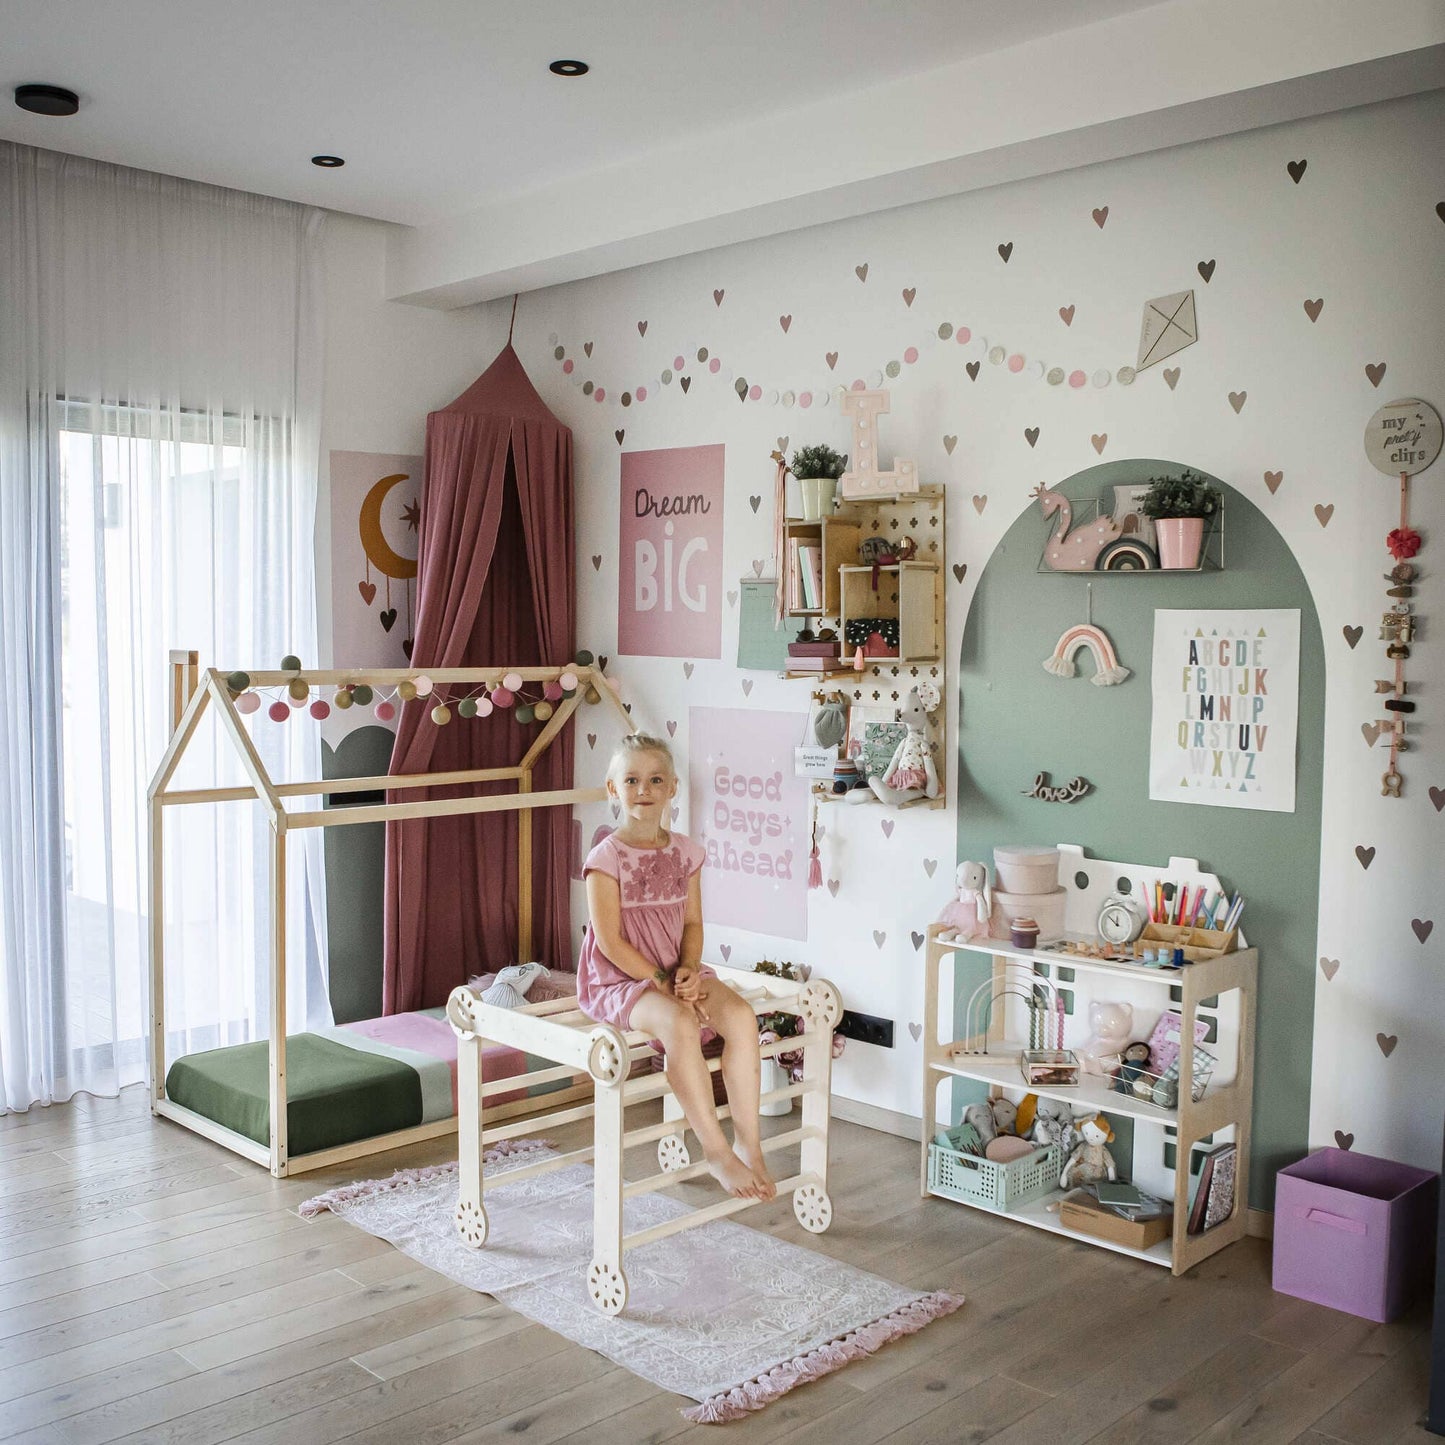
x: 375, y: 516
x: 1226, y: 708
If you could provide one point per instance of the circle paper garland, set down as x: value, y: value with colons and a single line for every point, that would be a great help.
x: 1015, y: 362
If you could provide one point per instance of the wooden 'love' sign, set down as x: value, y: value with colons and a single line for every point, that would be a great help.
x: 1069, y: 792
x: 1404, y: 437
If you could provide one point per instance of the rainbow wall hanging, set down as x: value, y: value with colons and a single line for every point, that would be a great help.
x: 1108, y: 670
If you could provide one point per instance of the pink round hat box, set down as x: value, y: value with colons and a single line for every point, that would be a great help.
x: 1026, y: 868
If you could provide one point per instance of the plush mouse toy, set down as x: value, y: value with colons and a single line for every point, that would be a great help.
x: 911, y: 773
x: 966, y: 916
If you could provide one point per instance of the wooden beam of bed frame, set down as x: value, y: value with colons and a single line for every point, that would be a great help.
x: 190, y: 692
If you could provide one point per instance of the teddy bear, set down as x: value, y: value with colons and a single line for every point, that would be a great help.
x: 1112, y: 1025
x: 966, y: 916
x: 911, y: 773
x: 1054, y: 1124
x: 1090, y: 1160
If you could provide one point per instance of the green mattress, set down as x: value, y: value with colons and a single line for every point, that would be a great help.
x: 345, y: 1083
x: 335, y: 1094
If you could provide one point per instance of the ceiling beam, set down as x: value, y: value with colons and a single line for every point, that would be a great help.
x: 1184, y: 71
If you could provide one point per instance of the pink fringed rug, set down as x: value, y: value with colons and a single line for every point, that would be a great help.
x: 726, y: 1315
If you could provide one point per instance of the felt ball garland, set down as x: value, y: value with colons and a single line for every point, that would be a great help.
x: 481, y: 702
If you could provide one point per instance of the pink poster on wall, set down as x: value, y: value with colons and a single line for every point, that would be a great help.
x: 750, y: 814
x: 669, y: 588
x: 375, y: 514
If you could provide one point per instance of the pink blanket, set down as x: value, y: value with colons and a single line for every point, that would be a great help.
x: 424, y: 1034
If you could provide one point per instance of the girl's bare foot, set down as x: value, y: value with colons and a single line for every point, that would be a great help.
x: 755, y: 1160
x: 736, y: 1177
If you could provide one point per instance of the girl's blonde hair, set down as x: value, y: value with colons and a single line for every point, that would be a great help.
x: 633, y: 744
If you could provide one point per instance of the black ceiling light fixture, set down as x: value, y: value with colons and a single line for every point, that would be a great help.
x: 327, y: 163
x: 569, y: 68
x: 47, y: 99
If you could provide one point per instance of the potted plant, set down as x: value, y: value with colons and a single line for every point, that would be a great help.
x: 1179, y: 507
x: 817, y: 469
x: 785, y: 1068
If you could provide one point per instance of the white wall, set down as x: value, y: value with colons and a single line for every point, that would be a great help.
x: 1359, y: 230
x: 387, y: 366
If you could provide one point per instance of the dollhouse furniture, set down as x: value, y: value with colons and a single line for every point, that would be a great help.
x: 1220, y: 990
x: 560, y: 1033
x: 343, y: 1093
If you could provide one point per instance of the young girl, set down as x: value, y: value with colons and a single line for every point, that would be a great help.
x: 641, y: 963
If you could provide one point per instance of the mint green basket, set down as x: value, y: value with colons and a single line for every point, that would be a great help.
x: 966, y: 1177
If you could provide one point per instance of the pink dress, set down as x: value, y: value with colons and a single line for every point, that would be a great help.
x: 653, y: 883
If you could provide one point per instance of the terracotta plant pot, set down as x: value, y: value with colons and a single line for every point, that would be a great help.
x: 1181, y: 539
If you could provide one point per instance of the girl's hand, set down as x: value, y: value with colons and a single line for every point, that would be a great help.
x: 687, y: 983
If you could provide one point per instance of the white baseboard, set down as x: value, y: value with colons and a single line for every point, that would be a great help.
x: 870, y: 1116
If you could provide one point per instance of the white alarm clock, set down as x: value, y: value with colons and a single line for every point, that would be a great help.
x: 1121, y: 919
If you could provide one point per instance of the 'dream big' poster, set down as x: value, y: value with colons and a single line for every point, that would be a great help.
x: 1226, y: 708
x: 669, y: 572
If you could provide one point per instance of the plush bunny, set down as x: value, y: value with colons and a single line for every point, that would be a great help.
x: 911, y: 773
x: 1113, y: 1025
x: 509, y: 989
x: 981, y: 1117
x: 966, y: 916
x: 1090, y: 1161
x: 1005, y: 1116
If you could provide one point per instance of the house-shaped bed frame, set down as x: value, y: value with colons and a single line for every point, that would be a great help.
x: 192, y: 691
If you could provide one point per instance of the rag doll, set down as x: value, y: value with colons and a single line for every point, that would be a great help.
x: 911, y: 773
x: 966, y: 916
x: 1091, y: 1161
x: 1112, y: 1024
x: 509, y: 989
x: 1133, y: 1064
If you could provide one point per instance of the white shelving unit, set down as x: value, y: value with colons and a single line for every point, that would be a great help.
x: 1224, y: 988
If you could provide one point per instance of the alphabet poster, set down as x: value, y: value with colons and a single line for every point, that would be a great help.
x: 669, y: 588
x: 750, y: 814
x: 1226, y: 708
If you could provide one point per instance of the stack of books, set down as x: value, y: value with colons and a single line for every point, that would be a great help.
x: 805, y: 576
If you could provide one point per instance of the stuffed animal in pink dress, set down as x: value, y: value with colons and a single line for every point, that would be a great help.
x: 966, y: 916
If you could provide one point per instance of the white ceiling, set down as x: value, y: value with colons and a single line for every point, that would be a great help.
x: 443, y: 106
x: 703, y: 121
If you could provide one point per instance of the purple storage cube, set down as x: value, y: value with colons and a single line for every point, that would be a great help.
x: 1354, y: 1232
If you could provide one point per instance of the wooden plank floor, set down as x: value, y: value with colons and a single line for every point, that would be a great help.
x: 154, y: 1288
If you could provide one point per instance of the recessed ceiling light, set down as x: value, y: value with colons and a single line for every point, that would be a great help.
x: 329, y: 163
x: 569, y: 67
x: 47, y: 99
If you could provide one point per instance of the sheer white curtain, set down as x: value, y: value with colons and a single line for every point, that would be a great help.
x: 160, y: 364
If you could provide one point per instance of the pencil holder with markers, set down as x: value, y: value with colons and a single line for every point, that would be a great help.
x: 1197, y: 943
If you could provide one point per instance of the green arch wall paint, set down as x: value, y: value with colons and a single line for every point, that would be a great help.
x: 1016, y: 720
x: 356, y: 879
